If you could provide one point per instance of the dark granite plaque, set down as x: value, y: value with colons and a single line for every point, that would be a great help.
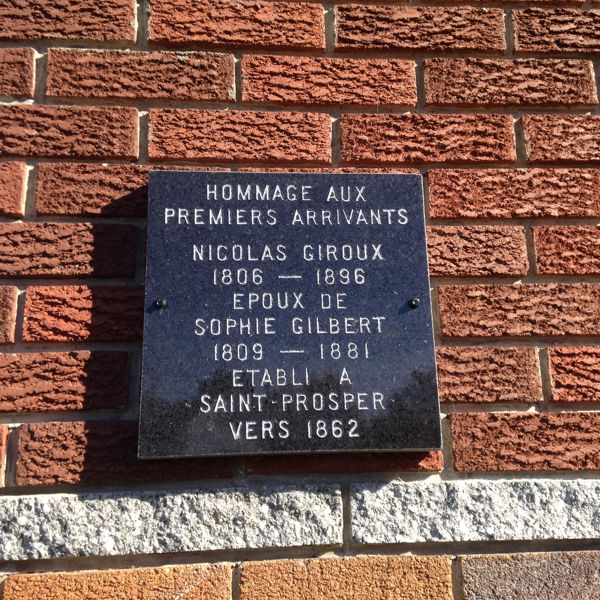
x: 286, y: 313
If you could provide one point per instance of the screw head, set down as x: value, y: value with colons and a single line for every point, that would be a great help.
x: 161, y: 303
x: 414, y: 302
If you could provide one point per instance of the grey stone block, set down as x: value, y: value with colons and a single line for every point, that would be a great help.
x: 49, y: 526
x: 475, y: 510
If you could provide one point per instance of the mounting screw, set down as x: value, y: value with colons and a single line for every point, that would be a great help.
x: 161, y: 303
x: 414, y: 302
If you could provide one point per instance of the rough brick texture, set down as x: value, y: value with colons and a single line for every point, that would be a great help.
x: 81, y: 313
x: 526, y: 441
x: 97, y: 452
x: 525, y: 82
x: 562, y: 138
x: 155, y: 75
x: 575, y: 373
x: 557, y: 30
x: 484, y: 374
x: 3, y: 447
x: 513, y: 194
x: 308, y: 80
x: 472, y: 251
x: 564, y: 575
x: 59, y: 381
x: 567, y: 250
x: 216, y: 135
x: 418, y: 138
x: 17, y: 72
x: 67, y: 19
x: 66, y: 250
x: 8, y: 314
x: 356, y: 578
x: 12, y: 188
x: 382, y: 462
x: 553, y: 309
x: 68, y: 131
x: 248, y: 24
x: 194, y: 582
x: 417, y: 28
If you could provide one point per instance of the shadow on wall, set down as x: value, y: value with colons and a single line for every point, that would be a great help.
x: 104, y: 452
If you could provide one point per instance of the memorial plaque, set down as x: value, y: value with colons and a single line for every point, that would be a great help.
x: 286, y: 313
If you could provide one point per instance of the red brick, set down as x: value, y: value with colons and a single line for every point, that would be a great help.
x: 232, y: 24
x: 379, y: 462
x: 562, y: 138
x: 483, y: 374
x: 309, y: 80
x: 418, y: 28
x: 82, y: 313
x: 190, y: 582
x: 513, y: 193
x: 68, y: 131
x: 557, y: 30
x: 348, y: 578
x: 567, y: 250
x: 67, y: 19
x: 418, y: 138
x: 95, y: 189
x: 330, y: 169
x: 154, y: 75
x: 525, y: 82
x: 553, y: 309
x: 532, y: 576
x: 59, y: 381
x: 13, y: 176
x: 526, y: 441
x: 218, y: 135
x: 3, y: 448
x: 8, y: 314
x: 466, y: 251
x: 17, y: 72
x: 575, y: 373
x: 98, y: 452
x: 66, y: 250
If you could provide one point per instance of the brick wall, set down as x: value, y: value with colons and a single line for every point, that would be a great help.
x: 494, y: 103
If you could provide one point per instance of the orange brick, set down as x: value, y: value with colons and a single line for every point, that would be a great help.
x: 562, y: 138
x: 66, y: 250
x: 98, y: 453
x: 575, y: 373
x: 68, y: 131
x: 12, y: 188
x: 557, y: 30
x: 82, y: 313
x: 17, y: 72
x: 419, y: 28
x: 525, y: 82
x: 513, y: 193
x: 375, y: 462
x: 347, y: 81
x: 567, y: 250
x: 354, y: 578
x: 218, y: 135
x: 482, y: 374
x: 466, y: 251
x: 526, y: 441
x: 60, y: 381
x: 8, y: 314
x: 155, y: 75
x: 231, y: 24
x: 67, y: 19
x: 553, y: 309
x: 422, y: 138
x: 194, y: 582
